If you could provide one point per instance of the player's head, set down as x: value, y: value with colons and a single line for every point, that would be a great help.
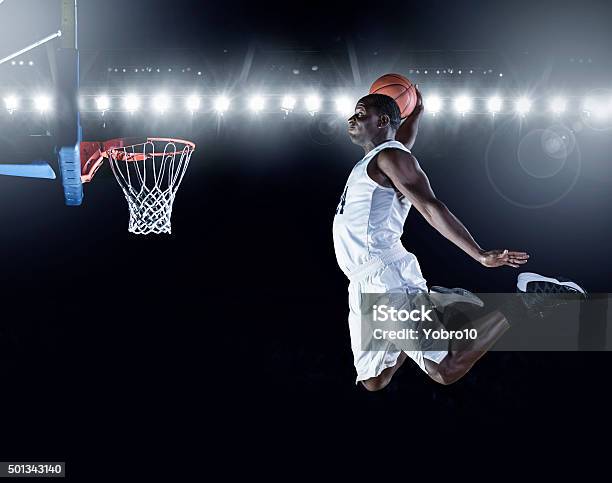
x: 376, y: 117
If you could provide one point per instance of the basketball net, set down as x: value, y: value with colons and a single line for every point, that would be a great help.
x: 149, y: 175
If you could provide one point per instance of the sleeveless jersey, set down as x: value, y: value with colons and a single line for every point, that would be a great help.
x: 369, y: 218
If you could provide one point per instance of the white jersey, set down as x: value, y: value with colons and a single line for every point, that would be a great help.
x: 370, y: 218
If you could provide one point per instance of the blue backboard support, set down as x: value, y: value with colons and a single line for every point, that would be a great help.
x: 69, y: 133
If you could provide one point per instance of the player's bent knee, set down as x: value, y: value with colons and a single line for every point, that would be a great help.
x: 447, y: 372
x: 377, y: 383
x: 437, y: 376
x: 451, y: 373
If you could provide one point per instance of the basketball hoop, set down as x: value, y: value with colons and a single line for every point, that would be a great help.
x: 150, y: 174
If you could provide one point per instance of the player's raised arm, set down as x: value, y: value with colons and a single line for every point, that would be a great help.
x: 407, y: 132
x: 405, y: 173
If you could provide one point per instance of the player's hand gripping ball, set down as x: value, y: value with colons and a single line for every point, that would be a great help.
x: 399, y: 88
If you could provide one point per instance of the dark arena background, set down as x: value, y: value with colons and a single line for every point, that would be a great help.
x: 232, y: 330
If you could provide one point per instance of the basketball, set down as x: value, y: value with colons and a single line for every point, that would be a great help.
x: 400, y: 89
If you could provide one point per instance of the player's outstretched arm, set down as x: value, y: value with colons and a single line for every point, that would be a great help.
x: 407, y: 132
x: 405, y: 173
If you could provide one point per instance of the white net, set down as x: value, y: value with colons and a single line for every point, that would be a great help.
x: 149, y: 175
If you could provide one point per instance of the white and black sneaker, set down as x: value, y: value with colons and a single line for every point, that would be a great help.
x: 545, y: 293
x: 529, y: 282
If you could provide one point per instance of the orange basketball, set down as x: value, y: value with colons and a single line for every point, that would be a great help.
x: 400, y: 89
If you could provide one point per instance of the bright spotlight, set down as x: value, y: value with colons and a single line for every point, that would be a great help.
x: 344, y: 105
x: 313, y: 103
x: 288, y: 103
x: 256, y: 103
x: 523, y: 106
x: 432, y: 104
x: 11, y: 103
x: 161, y: 103
x: 193, y: 103
x: 103, y: 103
x: 463, y: 104
x: 222, y: 104
x: 495, y: 104
x: 558, y: 105
x: 596, y: 107
x: 131, y: 103
x: 42, y: 103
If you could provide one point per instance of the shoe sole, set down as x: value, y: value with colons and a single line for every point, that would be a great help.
x: 527, y: 277
x: 457, y: 295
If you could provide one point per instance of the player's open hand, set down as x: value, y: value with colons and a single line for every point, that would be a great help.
x: 500, y: 258
x: 418, y: 108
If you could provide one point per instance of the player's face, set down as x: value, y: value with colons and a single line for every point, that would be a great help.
x: 363, y: 125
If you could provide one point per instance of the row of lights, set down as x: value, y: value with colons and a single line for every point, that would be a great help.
x: 296, y: 71
x: 29, y: 63
x: 162, y: 103
x: 451, y: 72
x: 462, y: 104
x: 42, y: 103
x: 149, y: 70
x: 256, y: 103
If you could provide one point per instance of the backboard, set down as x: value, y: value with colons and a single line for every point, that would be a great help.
x: 149, y: 170
x: 39, y: 60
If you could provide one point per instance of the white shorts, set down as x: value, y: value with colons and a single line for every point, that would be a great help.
x: 397, y: 270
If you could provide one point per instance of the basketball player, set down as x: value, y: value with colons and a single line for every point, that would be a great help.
x: 368, y: 225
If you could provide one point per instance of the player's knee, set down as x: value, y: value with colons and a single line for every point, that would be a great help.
x: 376, y: 383
x: 448, y: 373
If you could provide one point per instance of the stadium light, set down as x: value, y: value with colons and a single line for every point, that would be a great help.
x: 463, y: 104
x: 161, y: 103
x: 558, y: 105
x: 344, y: 105
x: 313, y: 103
x: 11, y: 103
x: 131, y: 103
x: 596, y: 107
x: 193, y: 103
x: 222, y: 104
x: 495, y: 104
x: 288, y: 103
x: 103, y: 103
x: 256, y: 103
x: 523, y: 106
x: 589, y: 105
x: 42, y: 103
x: 432, y: 104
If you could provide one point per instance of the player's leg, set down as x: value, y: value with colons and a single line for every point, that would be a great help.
x: 403, y: 276
x: 463, y: 355
x: 460, y: 358
x: 491, y: 327
x: 384, y: 378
